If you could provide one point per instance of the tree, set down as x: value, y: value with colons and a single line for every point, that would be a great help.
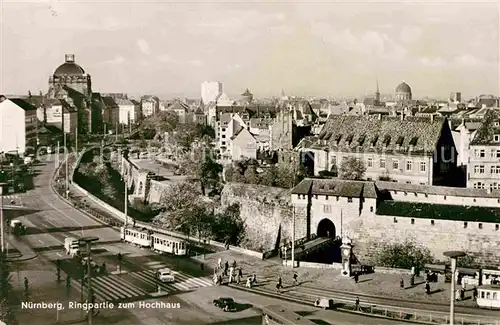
x: 251, y: 176
x: 228, y: 226
x: 352, y: 168
x: 269, y: 176
x: 6, y: 312
x: 405, y: 255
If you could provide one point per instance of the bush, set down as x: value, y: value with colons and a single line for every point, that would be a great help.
x: 404, y: 255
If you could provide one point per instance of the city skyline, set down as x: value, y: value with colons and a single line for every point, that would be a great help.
x: 310, y: 49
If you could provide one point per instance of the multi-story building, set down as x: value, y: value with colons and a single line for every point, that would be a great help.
x: 463, y: 133
x: 210, y: 91
x: 150, y: 105
x: 243, y: 145
x: 408, y: 150
x: 483, y: 170
x: 228, y: 126
x: 182, y: 110
x: 128, y: 111
x: 18, y: 125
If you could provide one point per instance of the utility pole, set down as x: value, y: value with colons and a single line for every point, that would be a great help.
x: 66, y: 164
x: 453, y: 255
x: 57, y: 155
x: 116, y: 132
x: 88, y: 241
x: 126, y: 200
x: 293, y: 217
x: 76, y: 141
x: 1, y: 216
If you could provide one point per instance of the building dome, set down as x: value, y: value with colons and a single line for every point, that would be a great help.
x: 69, y: 67
x: 403, y: 88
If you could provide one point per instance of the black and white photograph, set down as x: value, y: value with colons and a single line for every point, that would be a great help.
x: 249, y: 162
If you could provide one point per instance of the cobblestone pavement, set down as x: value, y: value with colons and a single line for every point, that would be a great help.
x: 376, y: 284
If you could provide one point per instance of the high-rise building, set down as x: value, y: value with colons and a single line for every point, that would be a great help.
x: 210, y: 90
x: 456, y: 97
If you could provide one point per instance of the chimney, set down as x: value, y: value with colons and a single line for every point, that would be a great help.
x: 69, y: 58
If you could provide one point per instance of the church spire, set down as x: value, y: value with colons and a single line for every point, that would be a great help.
x: 377, y: 96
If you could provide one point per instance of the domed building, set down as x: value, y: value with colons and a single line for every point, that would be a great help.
x: 247, y: 96
x: 403, y: 92
x: 71, y: 75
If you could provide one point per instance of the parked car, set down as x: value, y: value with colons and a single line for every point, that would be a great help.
x: 225, y: 303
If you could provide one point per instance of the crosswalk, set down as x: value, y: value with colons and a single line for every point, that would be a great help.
x: 139, y: 285
x: 11, y: 198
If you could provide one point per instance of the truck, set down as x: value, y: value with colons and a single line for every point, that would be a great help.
x: 72, y: 246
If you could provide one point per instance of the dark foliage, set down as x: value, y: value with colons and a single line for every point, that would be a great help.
x: 404, y: 255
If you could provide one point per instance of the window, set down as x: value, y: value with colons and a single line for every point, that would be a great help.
x: 223, y: 143
x: 481, y: 153
x: 444, y: 197
x: 479, y: 185
x: 496, y: 227
x: 395, y: 220
x: 326, y: 197
x: 480, y: 226
x: 423, y: 166
x: 316, y: 197
x: 395, y: 164
x: 432, y: 222
x: 337, y: 198
x: 371, y: 210
x: 426, y: 195
x: 406, y: 194
x: 465, y: 224
x: 496, y: 138
x: 496, y: 123
x: 370, y: 162
x: 498, y: 153
x: 412, y: 221
x: 334, y: 161
x: 479, y: 169
x: 409, y: 165
x: 415, y: 194
x: 223, y: 129
x: 494, y: 186
x: 223, y: 136
x: 382, y: 163
x: 327, y: 208
x: 474, y: 200
x: 349, y: 199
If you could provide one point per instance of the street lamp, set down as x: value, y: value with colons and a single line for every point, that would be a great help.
x: 88, y: 242
x: 1, y: 215
x: 453, y: 255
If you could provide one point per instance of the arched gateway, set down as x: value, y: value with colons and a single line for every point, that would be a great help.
x: 326, y: 228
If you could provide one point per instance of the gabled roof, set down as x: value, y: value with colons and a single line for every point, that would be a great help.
x: 199, y: 111
x: 485, y: 133
x: 336, y: 187
x: 426, y: 131
x: 121, y: 101
x: 23, y: 104
x: 178, y: 105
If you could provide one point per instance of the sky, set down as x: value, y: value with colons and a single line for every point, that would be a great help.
x: 316, y: 48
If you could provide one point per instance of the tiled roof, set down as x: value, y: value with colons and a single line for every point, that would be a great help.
x: 253, y: 110
x: 439, y: 211
x: 485, y: 133
x: 369, y: 133
x: 109, y: 102
x: 23, y: 104
x: 336, y: 187
x: 179, y: 106
x: 121, y: 101
x: 436, y: 190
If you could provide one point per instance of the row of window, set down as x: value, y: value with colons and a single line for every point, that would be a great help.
x: 481, y: 153
x: 480, y: 169
x: 328, y: 208
x: 493, y: 186
x: 466, y: 224
x: 395, y: 164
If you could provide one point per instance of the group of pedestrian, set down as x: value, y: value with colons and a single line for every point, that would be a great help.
x: 235, y: 274
x: 279, y: 284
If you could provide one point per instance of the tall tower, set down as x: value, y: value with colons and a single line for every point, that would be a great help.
x: 377, y: 96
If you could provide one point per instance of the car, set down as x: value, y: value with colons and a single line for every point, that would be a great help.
x: 225, y: 303
x: 165, y: 275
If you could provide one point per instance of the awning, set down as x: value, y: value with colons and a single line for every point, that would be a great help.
x: 491, y: 272
x: 467, y: 271
x: 435, y: 267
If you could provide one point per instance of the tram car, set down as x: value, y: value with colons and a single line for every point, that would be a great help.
x: 488, y: 296
x: 137, y: 236
x: 168, y: 244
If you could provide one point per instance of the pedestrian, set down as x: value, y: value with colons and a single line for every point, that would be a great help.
x: 474, y: 294
x: 231, y: 275
x: 295, y: 276
x: 219, y: 263
x: 356, y: 304
x: 220, y: 279
x: 249, y: 282
x: 278, y: 287
x: 356, y: 277
x: 280, y: 282
x: 234, y: 264
x: 254, y: 278
x: 238, y: 277
x: 226, y: 268
x: 402, y: 283
x: 427, y: 288
x: 412, y: 280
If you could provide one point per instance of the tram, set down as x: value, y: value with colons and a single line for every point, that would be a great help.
x: 158, y: 242
x: 488, y: 296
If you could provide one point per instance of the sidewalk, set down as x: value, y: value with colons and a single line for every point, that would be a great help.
x: 375, y: 284
x: 24, y: 251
